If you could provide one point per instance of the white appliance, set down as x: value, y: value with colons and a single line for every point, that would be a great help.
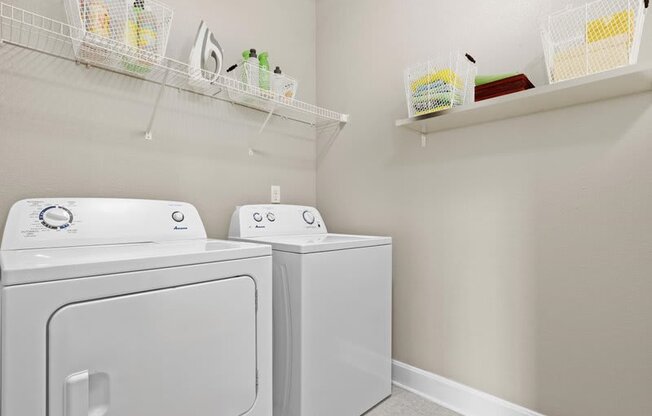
x: 124, y: 307
x: 332, y: 311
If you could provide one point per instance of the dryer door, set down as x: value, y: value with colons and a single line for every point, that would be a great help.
x: 188, y: 350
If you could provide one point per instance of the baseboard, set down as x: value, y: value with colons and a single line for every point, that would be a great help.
x: 452, y: 395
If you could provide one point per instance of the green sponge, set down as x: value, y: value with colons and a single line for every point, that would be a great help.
x: 486, y: 79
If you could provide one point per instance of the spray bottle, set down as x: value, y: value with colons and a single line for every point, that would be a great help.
x: 252, y: 69
x: 263, y: 58
x: 277, y: 82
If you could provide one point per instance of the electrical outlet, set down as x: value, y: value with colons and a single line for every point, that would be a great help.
x: 276, y: 194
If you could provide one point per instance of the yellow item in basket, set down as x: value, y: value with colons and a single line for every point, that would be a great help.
x: 591, y: 58
x: 445, y: 75
x: 97, y: 18
x: 616, y: 24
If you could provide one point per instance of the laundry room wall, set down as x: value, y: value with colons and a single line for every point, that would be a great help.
x: 523, y: 247
x: 66, y: 130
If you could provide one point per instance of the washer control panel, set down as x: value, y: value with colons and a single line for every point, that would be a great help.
x: 270, y: 220
x: 67, y: 222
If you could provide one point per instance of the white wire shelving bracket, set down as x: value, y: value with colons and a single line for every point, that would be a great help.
x: 24, y: 29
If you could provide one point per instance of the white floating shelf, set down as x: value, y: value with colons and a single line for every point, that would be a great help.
x: 619, y: 82
x: 31, y: 31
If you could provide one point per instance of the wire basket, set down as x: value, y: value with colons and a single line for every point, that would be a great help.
x: 596, y: 37
x: 440, y: 84
x: 253, y: 81
x: 138, y: 30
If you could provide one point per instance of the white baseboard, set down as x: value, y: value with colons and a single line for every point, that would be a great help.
x: 452, y: 395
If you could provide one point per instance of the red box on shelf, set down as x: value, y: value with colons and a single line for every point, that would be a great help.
x: 502, y: 87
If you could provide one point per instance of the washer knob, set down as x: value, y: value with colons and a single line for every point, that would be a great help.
x: 258, y: 217
x: 271, y: 217
x: 56, y: 217
x: 178, y: 216
x: 308, y: 217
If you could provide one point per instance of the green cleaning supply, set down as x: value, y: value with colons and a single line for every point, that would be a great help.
x: 244, y: 75
x: 486, y: 79
x: 263, y: 59
x: 147, y: 28
x: 142, y: 33
x: 253, y: 68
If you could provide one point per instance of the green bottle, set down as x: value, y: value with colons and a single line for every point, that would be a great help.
x: 244, y: 75
x: 264, y: 70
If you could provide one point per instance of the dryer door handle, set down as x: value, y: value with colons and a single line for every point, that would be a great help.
x: 86, y: 394
x: 76, y: 397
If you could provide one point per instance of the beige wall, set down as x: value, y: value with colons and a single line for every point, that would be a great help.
x: 66, y: 130
x: 523, y: 248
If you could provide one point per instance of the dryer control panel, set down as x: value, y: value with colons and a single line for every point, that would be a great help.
x: 271, y: 220
x: 69, y: 222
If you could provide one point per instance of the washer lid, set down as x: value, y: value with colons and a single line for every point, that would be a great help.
x: 42, y: 265
x: 304, y: 244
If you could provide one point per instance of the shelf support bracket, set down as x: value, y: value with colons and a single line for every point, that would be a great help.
x: 266, y: 122
x: 148, y: 132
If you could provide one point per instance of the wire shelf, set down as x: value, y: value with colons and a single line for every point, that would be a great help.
x: 32, y: 31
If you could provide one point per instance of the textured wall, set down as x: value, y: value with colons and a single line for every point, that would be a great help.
x: 523, y: 248
x: 67, y: 130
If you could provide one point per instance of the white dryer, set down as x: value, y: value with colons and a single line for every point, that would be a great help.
x: 332, y: 311
x: 124, y: 307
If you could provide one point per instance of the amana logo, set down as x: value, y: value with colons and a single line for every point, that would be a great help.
x: 180, y: 228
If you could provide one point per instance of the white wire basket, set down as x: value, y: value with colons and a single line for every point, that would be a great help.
x: 257, y: 82
x: 440, y: 84
x: 599, y: 36
x: 138, y: 29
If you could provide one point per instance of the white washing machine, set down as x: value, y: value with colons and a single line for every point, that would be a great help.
x: 332, y: 311
x: 124, y: 307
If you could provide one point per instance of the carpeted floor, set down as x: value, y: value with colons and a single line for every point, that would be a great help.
x: 404, y: 403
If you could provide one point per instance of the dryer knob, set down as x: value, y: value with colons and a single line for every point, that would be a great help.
x: 308, y: 217
x: 56, y: 217
x: 271, y: 217
x: 258, y: 217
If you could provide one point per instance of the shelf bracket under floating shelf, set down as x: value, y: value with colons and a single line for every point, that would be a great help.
x: 24, y: 29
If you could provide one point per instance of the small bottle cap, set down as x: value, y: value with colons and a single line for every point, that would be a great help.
x: 252, y: 53
x: 277, y: 70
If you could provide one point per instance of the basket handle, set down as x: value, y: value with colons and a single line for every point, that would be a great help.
x: 472, y: 59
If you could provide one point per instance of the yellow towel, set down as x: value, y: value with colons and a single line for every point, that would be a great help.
x: 591, y: 58
x: 445, y: 75
x: 616, y: 24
